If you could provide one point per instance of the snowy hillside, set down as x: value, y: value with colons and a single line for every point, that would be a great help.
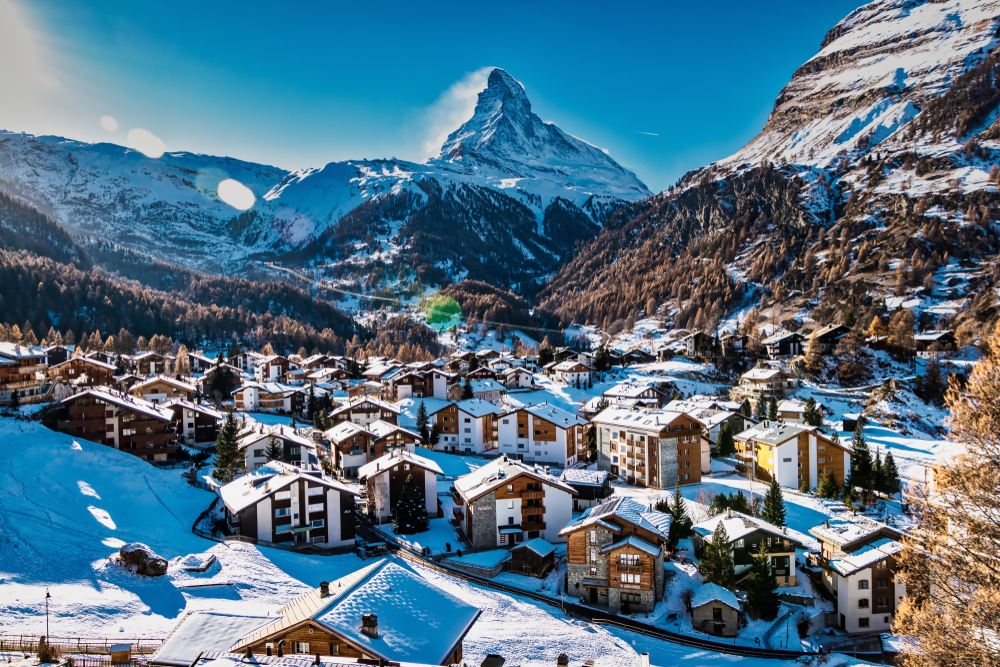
x: 523, y: 188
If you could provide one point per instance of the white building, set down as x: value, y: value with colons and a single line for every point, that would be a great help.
x: 386, y: 475
x: 544, y: 434
x: 572, y: 372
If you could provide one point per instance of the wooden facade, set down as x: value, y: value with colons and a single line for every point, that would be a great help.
x: 83, y: 372
x: 138, y: 429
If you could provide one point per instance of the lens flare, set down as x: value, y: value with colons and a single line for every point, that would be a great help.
x: 109, y: 123
x: 236, y: 194
x: 146, y: 143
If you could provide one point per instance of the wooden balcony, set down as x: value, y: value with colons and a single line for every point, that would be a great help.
x: 539, y: 525
x: 532, y: 495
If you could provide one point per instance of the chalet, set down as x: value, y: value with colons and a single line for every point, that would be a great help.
x: 418, y: 384
x: 792, y: 454
x: 323, y: 375
x: 534, y: 558
x: 296, y: 450
x: 792, y: 412
x: 935, y: 344
x: 161, y: 388
x: 572, y: 373
x: 151, y: 363
x: 784, y: 344
x: 857, y: 559
x: 121, y: 421
x: 592, y: 487
x: 483, y: 373
x: 828, y: 337
x: 477, y: 427
x: 505, y: 502
x: 698, y: 345
x: 645, y: 394
x: 764, y: 384
x: 103, y: 357
x: 56, y: 354
x: 715, y: 611
x: 733, y: 344
x: 246, y: 361
x: 272, y: 368
x: 83, y: 372
x: 127, y: 381
x: 745, y: 534
x: 386, y: 475
x: 364, y: 410
x: 354, y: 445
x: 22, y: 370
x: 544, y: 434
x: 614, y: 554
x: 486, y: 355
x: 384, y: 613
x: 635, y: 356
x: 199, y: 363
x: 517, y: 378
x: 653, y: 448
x: 282, y: 504
x: 296, y: 377
x: 269, y: 397
x: 196, y: 424
x: 369, y: 388
x: 487, y: 390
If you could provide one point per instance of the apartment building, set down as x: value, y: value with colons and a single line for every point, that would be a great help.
x: 477, y: 427
x: 746, y: 533
x: 83, y: 372
x: 543, y: 434
x: 160, y: 389
x: 127, y: 423
x: 386, y: 475
x: 295, y: 450
x: 353, y: 445
x: 652, y: 447
x: 196, y: 424
x: 269, y: 397
x: 364, y: 410
x: 857, y: 559
x: 506, y: 502
x: 764, y: 384
x: 22, y: 369
x: 792, y: 453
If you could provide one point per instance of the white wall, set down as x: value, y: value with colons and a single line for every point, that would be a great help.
x: 334, y: 515
x: 265, y: 518
x: 813, y: 468
x: 786, y: 464
x: 440, y: 387
x: 404, y: 391
x: 430, y: 493
x: 558, y: 512
x: 510, y: 507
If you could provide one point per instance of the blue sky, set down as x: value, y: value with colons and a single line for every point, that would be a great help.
x: 305, y: 83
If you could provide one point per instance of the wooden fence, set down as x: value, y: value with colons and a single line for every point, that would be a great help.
x: 77, y: 645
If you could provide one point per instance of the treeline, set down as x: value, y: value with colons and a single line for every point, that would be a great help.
x: 481, y: 302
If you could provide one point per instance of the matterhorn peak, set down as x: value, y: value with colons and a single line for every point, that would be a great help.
x: 503, y: 88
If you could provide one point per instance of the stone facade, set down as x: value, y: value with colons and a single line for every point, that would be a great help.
x: 483, y: 522
x: 668, y: 462
x: 603, y: 448
x: 576, y: 572
x: 646, y: 604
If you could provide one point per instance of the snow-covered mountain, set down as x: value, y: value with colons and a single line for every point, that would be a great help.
x: 505, y: 201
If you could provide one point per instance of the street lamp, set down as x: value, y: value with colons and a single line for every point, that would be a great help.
x: 47, y: 596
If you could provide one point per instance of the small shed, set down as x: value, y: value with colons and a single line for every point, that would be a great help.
x: 851, y: 422
x: 592, y: 486
x: 534, y: 558
x: 483, y: 563
x: 121, y: 654
x: 715, y: 611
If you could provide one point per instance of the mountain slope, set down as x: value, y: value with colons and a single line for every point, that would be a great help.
x: 505, y: 202
x: 869, y: 189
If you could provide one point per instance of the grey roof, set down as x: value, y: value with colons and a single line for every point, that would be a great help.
x: 199, y: 631
x: 627, y: 509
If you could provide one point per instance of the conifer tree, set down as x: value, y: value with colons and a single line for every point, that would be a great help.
x: 774, y: 505
x: 467, y: 389
x: 745, y: 408
x: 828, y: 486
x: 814, y: 356
x: 760, y: 409
x: 772, y: 410
x: 760, y: 584
x: 273, y: 450
x: 311, y: 408
x: 717, y: 565
x: 15, y: 401
x: 229, y: 462
x: 726, y: 444
x: 680, y: 522
x: 422, y: 421
x: 812, y: 417
x: 878, y: 480
x: 890, y: 476
x: 410, y: 515
x: 435, y: 436
x: 862, y: 473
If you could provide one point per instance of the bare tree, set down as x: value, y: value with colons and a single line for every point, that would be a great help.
x: 377, y: 494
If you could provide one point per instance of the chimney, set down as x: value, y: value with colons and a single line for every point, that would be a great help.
x: 643, y: 660
x: 324, y: 589
x: 369, y: 625
x: 729, y: 513
x: 562, y: 660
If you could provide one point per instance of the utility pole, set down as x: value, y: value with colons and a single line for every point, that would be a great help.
x: 47, y: 596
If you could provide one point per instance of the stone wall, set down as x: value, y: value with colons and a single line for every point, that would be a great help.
x: 603, y: 448
x: 667, y: 458
x: 483, y: 533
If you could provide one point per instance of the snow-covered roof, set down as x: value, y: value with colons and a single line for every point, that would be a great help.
x: 269, y: 479
x: 199, y: 631
x: 477, y: 407
x: 739, y: 525
x: 16, y: 351
x: 273, y: 388
x: 498, y: 472
x: 630, y: 389
x: 257, y: 431
x: 624, y: 508
x: 569, y: 365
x: 714, y: 593
x: 636, y: 542
x: 584, y: 477
x: 931, y: 336
x: 86, y: 360
x: 361, y: 400
x: 195, y: 407
x: 386, y: 462
x: 778, y: 337
x: 166, y: 380
x: 639, y: 418
x: 849, y: 563
x: 483, y: 386
x: 485, y: 559
x: 417, y: 621
x: 408, y: 408
x: 554, y: 415
x: 381, y: 428
x: 762, y: 374
x: 538, y: 545
x: 847, y: 530
x: 344, y: 430
x: 124, y: 401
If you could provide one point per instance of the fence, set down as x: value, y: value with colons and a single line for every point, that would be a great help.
x: 77, y: 645
x: 311, y: 549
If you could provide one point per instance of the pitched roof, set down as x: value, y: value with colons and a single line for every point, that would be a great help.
x: 538, y: 545
x: 124, y: 401
x: 644, y: 419
x: 199, y: 631
x: 715, y: 593
x: 86, y: 360
x: 196, y: 407
x: 635, y: 542
x: 762, y: 374
x: 267, y: 480
x: 498, y: 472
x: 624, y: 508
x: 166, y: 380
x: 554, y: 415
x: 359, y: 400
x: 849, y: 563
x: 417, y: 621
x: 584, y: 477
x: 16, y: 351
x: 384, y: 463
x: 477, y: 407
x: 254, y: 432
x: 739, y: 525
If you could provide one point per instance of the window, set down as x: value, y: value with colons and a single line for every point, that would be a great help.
x: 467, y: 420
x: 882, y: 602
x: 283, y: 511
x: 863, y: 584
x: 302, y: 648
x: 863, y: 622
x: 283, y: 495
x: 630, y: 597
x: 739, y: 543
x: 293, y: 451
x: 510, y: 488
x: 630, y: 578
x: 315, y: 491
x: 318, y: 507
x: 316, y: 523
x: 628, y: 559
x: 505, y: 421
x: 716, y: 613
x: 287, y: 528
x: 593, y: 555
x: 510, y: 504
x: 863, y: 603
x: 593, y: 537
x: 258, y: 453
x: 821, y: 448
x: 510, y: 521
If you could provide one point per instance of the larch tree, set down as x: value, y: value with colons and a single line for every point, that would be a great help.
x: 814, y: 356
x: 951, y: 567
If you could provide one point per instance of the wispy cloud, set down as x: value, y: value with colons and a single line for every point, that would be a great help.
x: 452, y: 108
x: 651, y: 134
x: 28, y: 79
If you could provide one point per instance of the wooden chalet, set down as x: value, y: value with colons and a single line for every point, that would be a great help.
x: 534, y: 558
x: 196, y: 424
x: 353, y: 445
x: 386, y: 475
x: 746, y: 533
x: 161, y: 388
x: 151, y: 363
x: 127, y: 423
x: 364, y: 410
x: 22, y: 370
x: 83, y: 372
x: 370, y: 615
